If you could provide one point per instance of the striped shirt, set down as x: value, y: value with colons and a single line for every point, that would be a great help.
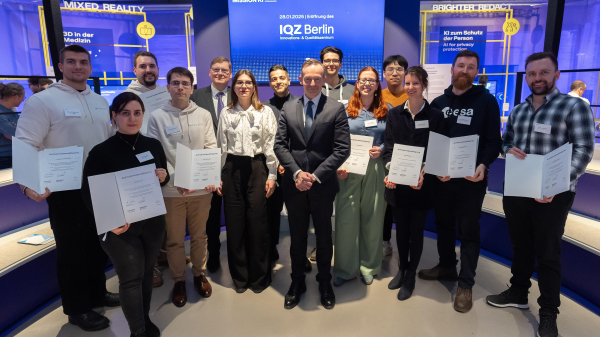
x: 570, y: 120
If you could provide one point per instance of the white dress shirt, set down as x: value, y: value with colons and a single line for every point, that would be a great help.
x: 315, y: 100
x: 583, y: 98
x: 215, y: 99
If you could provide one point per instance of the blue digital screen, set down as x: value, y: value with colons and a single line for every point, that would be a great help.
x: 109, y: 92
x: 268, y: 32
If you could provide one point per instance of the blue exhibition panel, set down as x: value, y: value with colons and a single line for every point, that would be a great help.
x: 17, y: 210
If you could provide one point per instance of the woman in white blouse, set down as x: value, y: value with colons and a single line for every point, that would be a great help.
x: 246, y: 136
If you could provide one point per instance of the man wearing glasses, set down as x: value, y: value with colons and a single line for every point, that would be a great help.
x: 336, y: 86
x: 182, y: 121
x: 393, y: 72
x: 214, y: 98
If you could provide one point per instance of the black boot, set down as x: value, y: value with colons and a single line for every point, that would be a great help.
x: 396, y: 282
x: 90, y: 321
x: 151, y: 329
x: 407, y: 286
x: 139, y: 333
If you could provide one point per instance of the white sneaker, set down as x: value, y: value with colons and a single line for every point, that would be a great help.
x: 387, y: 249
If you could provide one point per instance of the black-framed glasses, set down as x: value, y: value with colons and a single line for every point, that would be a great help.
x: 185, y: 84
x: 368, y: 81
x: 331, y: 61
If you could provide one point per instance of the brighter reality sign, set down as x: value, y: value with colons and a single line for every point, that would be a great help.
x: 458, y: 38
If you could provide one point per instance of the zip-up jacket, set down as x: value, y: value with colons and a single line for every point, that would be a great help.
x: 341, y: 92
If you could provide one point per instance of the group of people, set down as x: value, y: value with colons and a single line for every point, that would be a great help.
x: 291, y: 149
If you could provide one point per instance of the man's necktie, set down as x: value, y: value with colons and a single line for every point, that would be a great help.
x: 309, y: 119
x: 219, y: 103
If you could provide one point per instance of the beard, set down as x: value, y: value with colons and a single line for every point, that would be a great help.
x: 149, y: 82
x: 544, y: 90
x: 281, y: 90
x: 462, y: 81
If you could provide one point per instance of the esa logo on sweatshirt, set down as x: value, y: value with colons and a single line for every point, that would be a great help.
x: 457, y: 112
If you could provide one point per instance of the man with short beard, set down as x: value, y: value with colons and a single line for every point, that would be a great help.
x: 469, y: 110
x: 544, y: 122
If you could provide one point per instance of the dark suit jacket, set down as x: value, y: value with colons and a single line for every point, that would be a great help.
x: 203, y: 98
x: 327, y: 147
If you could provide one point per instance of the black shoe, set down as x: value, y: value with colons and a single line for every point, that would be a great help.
x: 241, y: 290
x: 292, y: 298
x: 547, y: 327
x: 511, y: 297
x: 141, y: 333
x: 308, y: 266
x: 396, y: 282
x: 408, y: 285
x: 90, y: 321
x: 213, y: 264
x: 110, y: 300
x: 327, y: 295
x: 151, y: 329
x: 439, y: 273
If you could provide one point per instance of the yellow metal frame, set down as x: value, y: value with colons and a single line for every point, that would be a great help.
x: 189, y: 44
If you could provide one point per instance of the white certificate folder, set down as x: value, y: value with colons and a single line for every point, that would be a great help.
x: 58, y: 169
x: 537, y: 176
x: 126, y: 196
x: 405, y: 167
x: 196, y: 169
x: 454, y: 157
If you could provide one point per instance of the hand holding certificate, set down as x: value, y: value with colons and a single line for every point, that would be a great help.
x: 405, y: 167
x: 196, y: 169
x: 153, y: 100
x: 454, y: 157
x: 56, y: 169
x: 359, y: 155
x: 126, y: 196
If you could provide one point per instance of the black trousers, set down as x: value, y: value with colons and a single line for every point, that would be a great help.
x: 245, y: 199
x: 459, y: 201
x: 388, y: 220
x: 536, y: 231
x: 80, y: 260
x: 301, y: 206
x: 5, y: 162
x: 133, y: 254
x: 410, y: 224
x: 274, y: 208
x: 213, y: 227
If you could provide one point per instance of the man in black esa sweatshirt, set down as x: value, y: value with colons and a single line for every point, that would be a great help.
x: 469, y: 110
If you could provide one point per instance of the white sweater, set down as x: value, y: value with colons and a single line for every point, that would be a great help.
x: 138, y: 89
x: 197, y: 132
x: 44, y: 125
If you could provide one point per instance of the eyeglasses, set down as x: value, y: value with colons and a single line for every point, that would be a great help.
x: 367, y: 81
x: 331, y: 61
x: 243, y: 84
x: 391, y: 70
x: 220, y: 70
x: 185, y: 84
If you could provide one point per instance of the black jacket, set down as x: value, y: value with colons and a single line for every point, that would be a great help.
x: 203, y: 98
x: 276, y: 103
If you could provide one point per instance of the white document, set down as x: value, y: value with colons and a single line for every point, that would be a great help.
x: 58, y: 169
x: 440, y: 78
x: 196, y: 169
x: 153, y: 100
x: 126, y: 196
x: 406, y: 163
x: 358, y: 161
x: 537, y: 176
x: 454, y: 157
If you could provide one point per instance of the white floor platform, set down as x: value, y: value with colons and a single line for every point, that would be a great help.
x: 360, y: 311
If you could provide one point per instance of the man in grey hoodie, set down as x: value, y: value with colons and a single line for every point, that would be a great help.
x: 336, y: 86
x: 145, y: 68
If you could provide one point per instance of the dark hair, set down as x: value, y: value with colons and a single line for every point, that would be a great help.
x: 311, y: 62
x: 395, y: 58
x: 143, y: 53
x: 35, y: 80
x: 11, y: 90
x: 330, y: 49
x: 254, y: 99
x: 379, y: 108
x: 466, y: 53
x: 541, y: 56
x: 419, y: 73
x: 219, y: 60
x: 483, y: 79
x: 74, y: 48
x: 278, y: 67
x: 577, y: 85
x: 122, y: 100
x: 45, y: 81
x: 181, y: 71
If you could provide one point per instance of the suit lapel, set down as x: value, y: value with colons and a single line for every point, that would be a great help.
x: 300, y: 117
x: 207, y: 96
x: 317, y: 119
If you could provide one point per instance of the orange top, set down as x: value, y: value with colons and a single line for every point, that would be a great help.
x: 394, y: 99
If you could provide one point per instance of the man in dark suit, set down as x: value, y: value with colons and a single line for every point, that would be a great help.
x: 214, y: 98
x: 312, y: 142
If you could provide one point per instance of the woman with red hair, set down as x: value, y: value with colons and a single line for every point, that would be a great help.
x: 360, y: 204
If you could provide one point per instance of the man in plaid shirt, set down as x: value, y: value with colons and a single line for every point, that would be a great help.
x: 547, y: 120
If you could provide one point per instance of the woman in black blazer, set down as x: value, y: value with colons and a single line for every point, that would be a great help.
x: 410, y: 124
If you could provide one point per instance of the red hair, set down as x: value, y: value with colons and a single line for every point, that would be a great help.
x: 379, y: 108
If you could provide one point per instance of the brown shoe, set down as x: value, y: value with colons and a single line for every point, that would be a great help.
x: 439, y: 273
x: 157, y: 279
x: 463, y: 301
x: 204, y: 288
x: 179, y: 294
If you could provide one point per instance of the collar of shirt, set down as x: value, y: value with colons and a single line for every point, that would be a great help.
x: 548, y: 97
x: 407, y: 107
x: 215, y: 91
x: 314, y: 100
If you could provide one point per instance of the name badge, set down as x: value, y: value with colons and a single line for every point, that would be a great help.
x: 72, y: 113
x: 172, y: 129
x: 343, y: 101
x: 463, y: 120
x: 142, y: 157
x: 370, y: 123
x: 422, y: 124
x: 542, y: 128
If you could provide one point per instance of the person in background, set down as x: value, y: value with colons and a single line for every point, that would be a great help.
x: 44, y: 124
x: 214, y: 98
x: 468, y: 110
x: 182, y: 121
x: 336, y: 86
x: 536, y: 226
x: 11, y: 96
x: 279, y: 81
x: 393, y: 71
x: 483, y: 80
x: 410, y: 124
x: 132, y: 247
x: 577, y: 89
x: 34, y: 84
x: 246, y: 136
x: 360, y: 204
